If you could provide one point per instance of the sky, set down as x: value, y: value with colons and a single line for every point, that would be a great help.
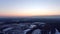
x: 29, y: 7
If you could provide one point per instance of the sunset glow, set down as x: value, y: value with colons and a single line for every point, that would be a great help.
x: 29, y: 7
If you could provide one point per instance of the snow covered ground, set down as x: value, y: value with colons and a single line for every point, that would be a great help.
x: 38, y: 32
x: 57, y: 32
x: 17, y: 28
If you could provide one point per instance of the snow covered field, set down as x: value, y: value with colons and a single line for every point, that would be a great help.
x: 18, y: 28
x: 38, y: 32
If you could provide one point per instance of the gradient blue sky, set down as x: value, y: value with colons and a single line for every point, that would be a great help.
x: 29, y: 7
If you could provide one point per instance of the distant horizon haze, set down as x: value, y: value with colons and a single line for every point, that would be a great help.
x: 29, y: 7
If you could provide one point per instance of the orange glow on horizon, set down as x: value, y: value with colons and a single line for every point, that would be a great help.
x: 32, y: 13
